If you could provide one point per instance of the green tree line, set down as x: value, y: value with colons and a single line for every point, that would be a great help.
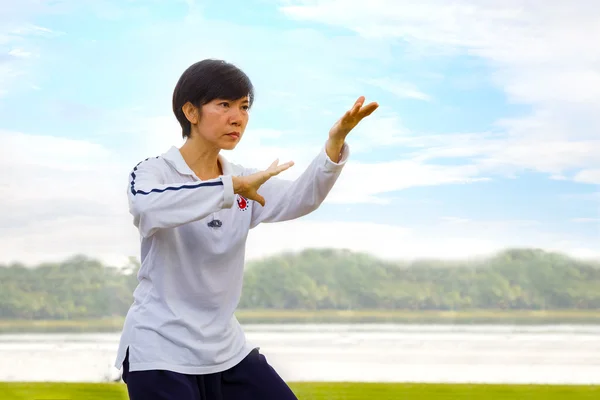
x: 515, y: 279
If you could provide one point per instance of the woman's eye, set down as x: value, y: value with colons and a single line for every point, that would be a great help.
x: 225, y: 104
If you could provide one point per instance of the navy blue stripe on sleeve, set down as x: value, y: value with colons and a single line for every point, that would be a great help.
x: 135, y: 191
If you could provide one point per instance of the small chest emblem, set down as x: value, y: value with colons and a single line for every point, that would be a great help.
x: 242, y: 203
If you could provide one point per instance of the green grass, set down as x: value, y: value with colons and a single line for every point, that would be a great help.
x: 321, y: 391
x: 62, y: 391
x: 333, y: 316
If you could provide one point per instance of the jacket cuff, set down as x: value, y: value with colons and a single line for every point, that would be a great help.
x: 335, y: 166
x: 228, y: 195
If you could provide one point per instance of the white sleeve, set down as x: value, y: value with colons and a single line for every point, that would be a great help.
x: 155, y: 204
x: 286, y: 200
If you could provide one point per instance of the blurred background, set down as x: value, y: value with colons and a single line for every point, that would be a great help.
x: 461, y: 243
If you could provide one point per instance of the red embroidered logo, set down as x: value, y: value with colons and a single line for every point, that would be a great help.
x: 242, y: 203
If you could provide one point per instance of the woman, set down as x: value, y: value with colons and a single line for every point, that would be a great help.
x: 193, y: 210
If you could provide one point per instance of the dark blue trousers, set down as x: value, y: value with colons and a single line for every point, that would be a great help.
x: 252, y: 379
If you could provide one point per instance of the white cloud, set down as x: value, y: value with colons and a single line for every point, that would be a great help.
x: 26, y: 29
x: 383, y: 128
x: 385, y: 241
x: 361, y: 182
x: 507, y: 227
x: 586, y: 220
x: 21, y: 150
x: 17, y: 62
x: 19, y: 53
x: 508, y: 155
x: 400, y: 89
x: 395, y: 242
x: 542, y: 53
x: 68, y: 197
x: 80, y: 206
x: 594, y: 196
x: 589, y: 175
x: 584, y: 253
x: 150, y: 135
x: 575, y: 249
x: 455, y: 220
x: 65, y: 196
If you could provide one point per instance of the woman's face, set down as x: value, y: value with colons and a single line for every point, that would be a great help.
x: 222, y: 122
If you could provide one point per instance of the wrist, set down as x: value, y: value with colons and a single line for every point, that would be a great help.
x: 237, y: 184
x: 333, y: 148
x: 336, y: 140
x: 335, y: 144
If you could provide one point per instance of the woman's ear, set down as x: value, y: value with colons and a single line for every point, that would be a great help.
x: 191, y: 113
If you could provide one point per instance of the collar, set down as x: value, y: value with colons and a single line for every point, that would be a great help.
x: 173, y: 156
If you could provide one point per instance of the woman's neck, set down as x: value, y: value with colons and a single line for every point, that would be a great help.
x: 202, y: 159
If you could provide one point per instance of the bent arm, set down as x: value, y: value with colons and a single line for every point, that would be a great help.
x: 286, y: 200
x: 156, y: 205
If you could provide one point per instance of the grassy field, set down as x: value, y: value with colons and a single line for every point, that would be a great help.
x: 333, y: 316
x: 321, y: 391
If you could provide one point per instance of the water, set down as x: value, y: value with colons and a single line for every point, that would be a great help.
x: 383, y: 353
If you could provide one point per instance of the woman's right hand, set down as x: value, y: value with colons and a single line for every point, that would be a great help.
x: 247, y: 186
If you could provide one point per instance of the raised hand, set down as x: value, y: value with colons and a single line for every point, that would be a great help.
x: 247, y: 186
x: 350, y: 119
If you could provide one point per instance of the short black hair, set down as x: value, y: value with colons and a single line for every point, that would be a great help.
x: 205, y: 81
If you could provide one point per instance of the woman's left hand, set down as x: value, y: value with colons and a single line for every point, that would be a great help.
x: 350, y: 119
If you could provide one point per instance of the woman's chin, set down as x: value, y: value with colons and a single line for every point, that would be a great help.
x: 229, y: 146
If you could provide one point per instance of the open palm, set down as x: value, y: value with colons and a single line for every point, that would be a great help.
x: 351, y: 118
x: 248, y: 185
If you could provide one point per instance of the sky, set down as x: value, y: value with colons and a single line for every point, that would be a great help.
x: 487, y: 135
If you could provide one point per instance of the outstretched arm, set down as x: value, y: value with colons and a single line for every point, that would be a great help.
x: 287, y: 200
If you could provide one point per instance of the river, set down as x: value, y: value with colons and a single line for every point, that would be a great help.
x: 564, y: 354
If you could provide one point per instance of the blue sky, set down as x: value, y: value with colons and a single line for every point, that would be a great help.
x: 486, y: 136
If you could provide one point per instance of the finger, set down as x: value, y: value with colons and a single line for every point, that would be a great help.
x: 285, y: 166
x: 357, y: 105
x: 282, y: 168
x: 368, y: 109
x: 261, y: 200
x: 274, y: 163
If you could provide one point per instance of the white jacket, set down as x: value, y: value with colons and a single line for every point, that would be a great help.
x: 193, y: 236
